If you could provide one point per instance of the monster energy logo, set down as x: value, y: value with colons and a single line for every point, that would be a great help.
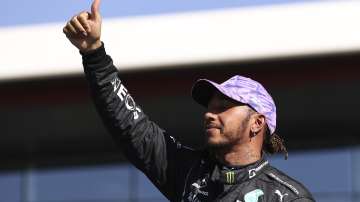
x: 230, y: 177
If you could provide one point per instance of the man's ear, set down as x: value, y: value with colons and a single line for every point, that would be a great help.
x: 258, y: 123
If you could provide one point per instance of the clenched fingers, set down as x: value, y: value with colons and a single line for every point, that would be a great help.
x: 66, y: 31
x: 83, y: 18
x: 79, y: 29
x: 69, y: 34
x: 70, y: 29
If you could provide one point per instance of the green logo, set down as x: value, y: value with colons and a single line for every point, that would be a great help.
x: 253, y: 196
x: 230, y: 177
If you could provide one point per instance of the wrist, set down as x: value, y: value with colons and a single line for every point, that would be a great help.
x: 94, y: 56
x: 97, y: 44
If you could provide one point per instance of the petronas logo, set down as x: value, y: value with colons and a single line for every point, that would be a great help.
x: 230, y: 177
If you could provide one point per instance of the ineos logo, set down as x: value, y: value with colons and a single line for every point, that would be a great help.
x: 131, y: 105
x: 123, y: 94
x: 129, y: 102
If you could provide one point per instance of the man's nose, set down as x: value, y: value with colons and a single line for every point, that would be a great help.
x: 208, y: 116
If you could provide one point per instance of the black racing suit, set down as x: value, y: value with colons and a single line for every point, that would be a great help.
x: 179, y: 172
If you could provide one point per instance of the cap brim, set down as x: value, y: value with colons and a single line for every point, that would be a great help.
x: 202, y: 91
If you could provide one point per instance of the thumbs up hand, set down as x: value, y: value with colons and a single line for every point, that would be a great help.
x: 84, y: 30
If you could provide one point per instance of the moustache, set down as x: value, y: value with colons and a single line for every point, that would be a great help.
x: 221, y: 128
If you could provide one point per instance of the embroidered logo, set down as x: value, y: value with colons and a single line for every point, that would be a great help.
x: 252, y: 172
x: 196, y: 190
x: 281, y: 196
x: 253, y: 196
x: 230, y: 177
x: 124, y: 96
x: 291, y: 187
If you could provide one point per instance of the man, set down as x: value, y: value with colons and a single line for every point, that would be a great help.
x: 239, y: 123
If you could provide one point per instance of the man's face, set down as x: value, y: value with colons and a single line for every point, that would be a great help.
x: 226, y: 122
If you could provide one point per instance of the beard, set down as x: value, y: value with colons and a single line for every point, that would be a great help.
x: 228, y: 139
x: 219, y: 145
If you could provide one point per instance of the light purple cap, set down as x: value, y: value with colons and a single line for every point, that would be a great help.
x: 241, y: 89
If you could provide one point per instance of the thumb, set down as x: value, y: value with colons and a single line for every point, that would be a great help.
x: 95, y: 9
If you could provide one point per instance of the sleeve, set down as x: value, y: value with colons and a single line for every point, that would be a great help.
x: 144, y: 143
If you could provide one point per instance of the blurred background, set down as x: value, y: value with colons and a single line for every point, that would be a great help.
x: 54, y: 148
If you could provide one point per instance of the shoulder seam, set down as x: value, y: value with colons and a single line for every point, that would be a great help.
x: 310, y: 199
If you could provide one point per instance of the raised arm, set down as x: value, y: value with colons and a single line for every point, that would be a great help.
x: 144, y: 143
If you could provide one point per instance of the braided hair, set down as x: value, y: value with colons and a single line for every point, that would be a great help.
x: 273, y: 143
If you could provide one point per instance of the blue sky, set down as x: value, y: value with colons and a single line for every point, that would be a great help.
x: 22, y: 12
